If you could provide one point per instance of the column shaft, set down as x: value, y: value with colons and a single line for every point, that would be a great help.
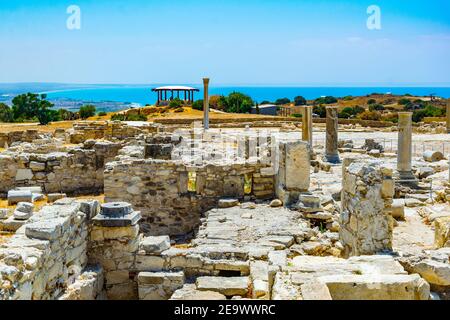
x: 205, y: 103
x: 307, y: 124
x: 404, y: 152
x: 331, y: 153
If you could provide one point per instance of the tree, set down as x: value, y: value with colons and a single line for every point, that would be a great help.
x: 87, y: 111
x: 282, y: 101
x: 6, y: 114
x: 29, y: 106
x: 299, y: 101
x: 237, y: 102
x: 371, y: 101
x: 320, y: 110
x: 325, y: 100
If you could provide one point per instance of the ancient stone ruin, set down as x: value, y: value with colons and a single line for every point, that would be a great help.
x: 111, y: 210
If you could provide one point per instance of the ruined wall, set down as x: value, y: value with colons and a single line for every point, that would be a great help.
x: 83, y: 131
x: 48, y: 253
x: 8, y: 138
x: 366, y: 221
x: 78, y: 171
x: 159, y: 189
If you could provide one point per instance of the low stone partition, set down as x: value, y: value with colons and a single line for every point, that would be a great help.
x: 8, y: 138
x: 171, y: 195
x: 86, y: 130
x: 77, y: 171
x: 48, y: 253
x: 366, y: 221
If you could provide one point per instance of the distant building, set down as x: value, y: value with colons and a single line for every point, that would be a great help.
x: 266, y: 109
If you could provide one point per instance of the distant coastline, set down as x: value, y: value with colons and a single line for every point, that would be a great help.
x: 110, y: 98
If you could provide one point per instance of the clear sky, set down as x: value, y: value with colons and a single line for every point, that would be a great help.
x: 301, y: 42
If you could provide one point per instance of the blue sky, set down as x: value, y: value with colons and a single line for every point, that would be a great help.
x: 234, y: 42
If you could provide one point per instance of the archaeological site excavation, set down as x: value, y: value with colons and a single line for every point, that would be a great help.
x: 268, y: 210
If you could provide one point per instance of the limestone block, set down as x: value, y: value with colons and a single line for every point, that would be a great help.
x: 277, y: 258
x: 117, y: 277
x: 155, y: 245
x: 24, y: 174
x: 25, y: 207
x: 442, y: 232
x: 228, y: 286
x: 37, y: 166
x: 52, y: 197
x: 228, y: 203
x: 16, y: 196
x: 20, y: 215
x: 434, y: 272
x: 159, y: 285
x: 149, y: 263
x: 398, y: 209
x: 315, y: 290
x: 189, y: 292
x: 297, y: 166
x: 377, y: 287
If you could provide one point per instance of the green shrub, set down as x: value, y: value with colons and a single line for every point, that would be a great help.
x: 296, y: 115
x: 320, y: 110
x: 102, y: 114
x: 175, y: 103
x: 180, y: 109
x: 87, y: 111
x: 428, y: 111
x: 325, y: 100
x: 198, y: 105
x: 6, y: 114
x: 371, y: 101
x: 128, y: 117
x: 282, y: 101
x: 299, y: 101
x: 376, y: 107
x: 404, y: 102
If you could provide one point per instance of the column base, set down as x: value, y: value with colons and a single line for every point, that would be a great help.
x: 407, y: 178
x: 332, y: 158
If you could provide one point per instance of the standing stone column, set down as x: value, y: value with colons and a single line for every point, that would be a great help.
x: 448, y: 116
x: 205, y: 103
x: 307, y: 124
x: 404, y: 152
x: 332, y: 154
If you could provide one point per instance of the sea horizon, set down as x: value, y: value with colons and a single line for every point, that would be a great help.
x: 140, y: 95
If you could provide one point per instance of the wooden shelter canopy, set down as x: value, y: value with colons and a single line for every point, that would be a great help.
x: 163, y: 96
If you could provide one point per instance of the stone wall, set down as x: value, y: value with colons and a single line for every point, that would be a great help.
x: 85, y: 130
x: 8, y: 138
x: 159, y: 189
x: 366, y: 221
x: 77, y: 171
x: 48, y: 253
